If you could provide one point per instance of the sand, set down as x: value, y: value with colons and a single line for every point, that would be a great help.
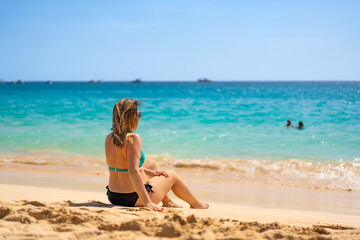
x: 33, y: 212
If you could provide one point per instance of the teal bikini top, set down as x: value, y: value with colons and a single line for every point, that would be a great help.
x: 142, y: 160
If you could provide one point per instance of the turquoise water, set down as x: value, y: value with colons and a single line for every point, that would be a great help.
x: 242, y: 120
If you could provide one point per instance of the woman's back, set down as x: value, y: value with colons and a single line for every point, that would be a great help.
x: 116, y: 157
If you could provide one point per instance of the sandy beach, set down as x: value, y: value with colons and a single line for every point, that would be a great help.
x: 72, y: 212
x: 68, y: 204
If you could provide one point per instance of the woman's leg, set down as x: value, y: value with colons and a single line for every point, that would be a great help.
x: 167, y: 202
x: 162, y: 185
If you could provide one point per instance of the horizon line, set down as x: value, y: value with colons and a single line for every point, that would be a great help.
x: 142, y: 81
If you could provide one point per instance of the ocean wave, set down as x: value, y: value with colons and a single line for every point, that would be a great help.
x: 39, y: 162
x: 23, y: 160
x: 336, y: 175
x: 339, y: 175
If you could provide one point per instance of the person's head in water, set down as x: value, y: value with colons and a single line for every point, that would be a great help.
x: 288, y: 124
x: 301, y: 125
x: 126, y: 118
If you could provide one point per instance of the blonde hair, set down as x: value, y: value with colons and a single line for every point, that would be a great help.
x: 124, y: 121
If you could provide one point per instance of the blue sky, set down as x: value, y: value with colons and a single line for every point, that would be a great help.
x: 180, y: 40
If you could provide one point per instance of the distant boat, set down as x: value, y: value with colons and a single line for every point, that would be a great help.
x: 19, y: 82
x: 138, y: 80
x: 94, y: 81
x: 49, y: 82
x: 203, y: 80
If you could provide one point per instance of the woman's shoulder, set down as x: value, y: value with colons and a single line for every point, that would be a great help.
x: 133, y: 138
x: 108, y: 139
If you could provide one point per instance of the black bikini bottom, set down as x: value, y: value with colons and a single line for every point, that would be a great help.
x: 125, y: 199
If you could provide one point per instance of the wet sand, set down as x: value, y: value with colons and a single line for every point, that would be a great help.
x: 256, y: 195
x: 343, y: 176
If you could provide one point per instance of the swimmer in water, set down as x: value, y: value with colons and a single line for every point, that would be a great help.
x: 301, y: 125
x: 288, y: 124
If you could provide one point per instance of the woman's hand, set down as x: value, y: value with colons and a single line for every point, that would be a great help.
x: 154, y: 207
x: 154, y: 173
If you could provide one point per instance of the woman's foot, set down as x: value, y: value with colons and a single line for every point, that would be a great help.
x: 200, y: 205
x: 171, y: 204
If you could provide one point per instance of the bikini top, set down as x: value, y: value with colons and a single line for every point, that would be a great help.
x: 142, y: 160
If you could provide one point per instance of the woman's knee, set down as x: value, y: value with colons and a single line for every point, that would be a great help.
x: 172, y: 174
x: 151, y: 164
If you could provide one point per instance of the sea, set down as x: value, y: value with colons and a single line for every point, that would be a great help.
x: 232, y: 131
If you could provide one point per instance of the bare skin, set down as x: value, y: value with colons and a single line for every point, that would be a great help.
x: 133, y: 181
x: 162, y: 186
x: 152, y: 165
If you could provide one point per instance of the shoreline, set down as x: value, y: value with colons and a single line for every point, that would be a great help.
x: 252, y: 195
x: 331, y: 175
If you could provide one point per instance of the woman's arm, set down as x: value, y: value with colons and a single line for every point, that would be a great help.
x: 133, y: 158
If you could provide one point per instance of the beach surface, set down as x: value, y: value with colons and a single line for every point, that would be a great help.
x: 73, y: 212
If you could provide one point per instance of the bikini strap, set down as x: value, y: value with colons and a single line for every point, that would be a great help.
x: 112, y: 136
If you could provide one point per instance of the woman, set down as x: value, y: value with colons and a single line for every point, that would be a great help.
x: 130, y: 183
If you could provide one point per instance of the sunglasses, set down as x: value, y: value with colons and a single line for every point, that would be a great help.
x: 139, y: 115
